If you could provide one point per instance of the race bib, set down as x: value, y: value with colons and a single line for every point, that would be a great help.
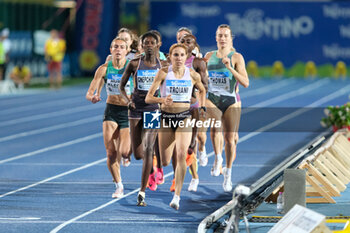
x: 145, y: 79
x: 180, y: 90
x: 219, y: 81
x: 112, y: 85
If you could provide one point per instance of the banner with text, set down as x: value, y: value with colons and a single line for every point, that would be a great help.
x: 264, y: 31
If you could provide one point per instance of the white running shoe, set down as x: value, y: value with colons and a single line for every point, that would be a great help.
x: 193, y: 185
x: 175, y: 203
x: 126, y: 162
x: 119, y: 192
x: 203, y: 158
x: 227, y: 184
x: 216, y: 169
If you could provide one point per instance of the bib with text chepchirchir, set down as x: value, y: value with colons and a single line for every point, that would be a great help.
x: 145, y: 79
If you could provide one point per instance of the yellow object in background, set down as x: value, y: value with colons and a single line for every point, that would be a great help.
x: 310, y: 70
x: 340, y: 70
x: 252, y: 69
x: 346, y: 222
x: 21, y: 73
x: 278, y: 69
x: 55, y: 49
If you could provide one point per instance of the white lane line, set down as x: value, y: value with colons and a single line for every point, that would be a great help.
x: 50, y: 114
x: 69, y: 143
x: 59, y: 227
x: 20, y: 218
x: 56, y: 229
x: 287, y: 96
x: 344, y: 90
x: 31, y: 107
x: 51, y: 128
x: 54, y: 177
x: 39, y: 95
x: 341, y: 92
x: 266, y: 89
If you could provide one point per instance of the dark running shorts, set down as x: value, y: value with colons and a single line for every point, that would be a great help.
x: 118, y: 114
x: 222, y: 102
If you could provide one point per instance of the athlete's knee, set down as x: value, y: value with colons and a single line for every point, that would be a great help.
x: 181, y: 154
x: 201, y: 138
x: 138, y: 154
x: 124, y: 151
x: 111, y: 155
x: 230, y: 139
x: 148, y: 150
x: 165, y: 162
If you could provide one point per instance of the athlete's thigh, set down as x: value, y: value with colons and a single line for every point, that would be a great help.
x: 166, y: 139
x: 183, y: 137
x: 136, y: 136
x: 231, y: 118
x: 212, y: 110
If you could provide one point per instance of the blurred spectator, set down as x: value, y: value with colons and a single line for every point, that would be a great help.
x: 55, y: 48
x: 21, y: 75
x: 4, y: 52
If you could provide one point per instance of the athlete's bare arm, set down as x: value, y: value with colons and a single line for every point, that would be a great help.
x: 199, y: 85
x: 95, y: 85
x: 150, y: 98
x: 200, y: 66
x: 238, y: 70
x: 129, y: 70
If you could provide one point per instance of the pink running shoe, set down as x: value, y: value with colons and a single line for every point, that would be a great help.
x: 160, y: 176
x: 152, y: 184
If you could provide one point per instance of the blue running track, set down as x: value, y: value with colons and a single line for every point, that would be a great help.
x: 53, y: 174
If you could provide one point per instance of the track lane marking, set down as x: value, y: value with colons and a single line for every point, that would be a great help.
x: 49, y: 148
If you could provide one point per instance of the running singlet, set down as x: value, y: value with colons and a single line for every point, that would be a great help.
x: 113, y: 78
x: 189, y: 62
x: 221, y: 80
x: 144, y: 77
x: 179, y: 89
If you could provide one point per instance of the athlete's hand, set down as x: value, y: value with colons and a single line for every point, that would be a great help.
x: 167, y: 101
x: 95, y: 99
x: 226, y: 62
x: 131, y: 106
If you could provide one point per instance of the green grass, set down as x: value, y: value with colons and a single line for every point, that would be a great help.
x: 44, y: 83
